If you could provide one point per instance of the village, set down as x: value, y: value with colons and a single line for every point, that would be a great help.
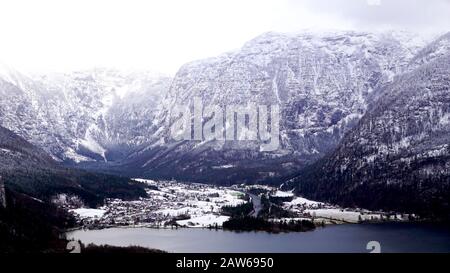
x: 171, y: 204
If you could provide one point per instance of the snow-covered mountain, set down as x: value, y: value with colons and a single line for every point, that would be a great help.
x: 398, y: 156
x: 80, y: 116
x: 322, y: 82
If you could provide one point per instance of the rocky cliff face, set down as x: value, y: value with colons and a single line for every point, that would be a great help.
x: 81, y: 116
x: 398, y: 156
x: 321, y: 82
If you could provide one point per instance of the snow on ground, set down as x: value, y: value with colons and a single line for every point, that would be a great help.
x: 279, y: 193
x: 336, y: 214
x: 91, y: 144
x: 88, y: 213
x: 212, y: 201
x: 204, y: 221
x: 146, y: 181
x: 171, y: 199
x: 223, y: 167
x: 342, y: 215
x: 277, y: 220
x: 229, y: 198
x: 303, y: 201
x: 71, y: 154
x: 179, y: 211
x: 203, y: 205
x: 8, y: 151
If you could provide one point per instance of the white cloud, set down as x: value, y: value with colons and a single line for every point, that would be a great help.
x: 159, y: 35
x: 412, y: 15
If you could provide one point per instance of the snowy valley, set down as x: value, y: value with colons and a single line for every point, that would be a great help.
x: 359, y: 112
x: 172, y: 204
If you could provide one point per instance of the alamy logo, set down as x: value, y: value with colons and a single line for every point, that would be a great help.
x: 74, y: 246
x: 374, y: 247
x: 249, y: 122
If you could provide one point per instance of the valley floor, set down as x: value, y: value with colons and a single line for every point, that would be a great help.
x: 174, y: 204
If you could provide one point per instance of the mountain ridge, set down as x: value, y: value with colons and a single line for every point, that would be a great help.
x: 398, y: 156
x: 323, y: 84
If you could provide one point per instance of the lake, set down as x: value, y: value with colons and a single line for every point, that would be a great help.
x: 393, y: 237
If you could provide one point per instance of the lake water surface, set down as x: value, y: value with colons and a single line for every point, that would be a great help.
x: 393, y: 237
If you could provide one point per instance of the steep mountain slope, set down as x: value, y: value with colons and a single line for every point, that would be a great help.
x: 29, y: 170
x: 321, y: 82
x: 398, y: 157
x: 29, y: 225
x: 80, y: 116
x: 16, y: 153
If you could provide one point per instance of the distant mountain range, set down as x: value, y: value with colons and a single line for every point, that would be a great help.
x: 359, y: 112
x: 83, y: 116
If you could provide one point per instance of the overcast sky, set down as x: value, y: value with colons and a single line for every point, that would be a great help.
x: 61, y: 35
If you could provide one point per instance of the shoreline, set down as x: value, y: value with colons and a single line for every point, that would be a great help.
x: 174, y: 205
x: 240, y: 231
